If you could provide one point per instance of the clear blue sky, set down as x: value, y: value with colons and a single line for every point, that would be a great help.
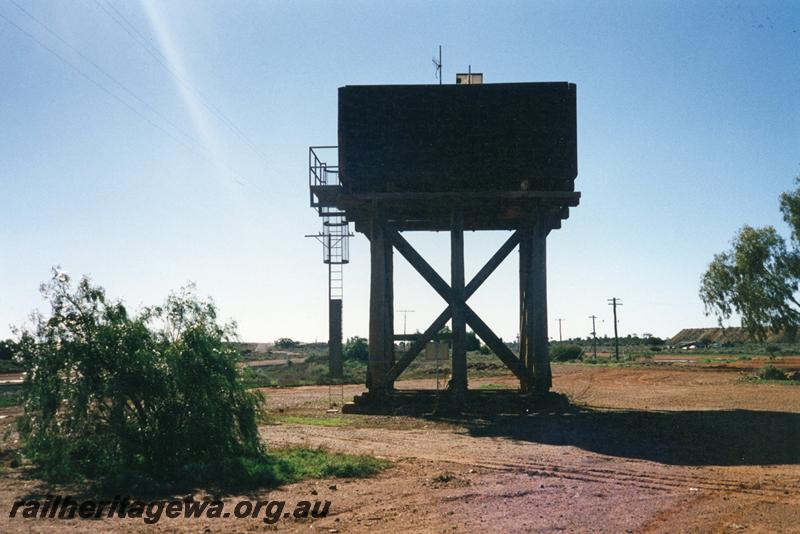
x: 688, y: 117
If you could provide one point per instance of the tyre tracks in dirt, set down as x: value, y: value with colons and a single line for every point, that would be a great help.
x: 506, y: 455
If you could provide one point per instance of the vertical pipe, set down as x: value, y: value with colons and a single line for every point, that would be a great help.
x: 459, y: 380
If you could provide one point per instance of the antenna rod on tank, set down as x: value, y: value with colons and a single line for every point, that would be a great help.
x: 440, y: 64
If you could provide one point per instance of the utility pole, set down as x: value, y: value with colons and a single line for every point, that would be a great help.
x: 405, y: 316
x: 614, y: 302
x: 594, y: 336
x: 559, y: 329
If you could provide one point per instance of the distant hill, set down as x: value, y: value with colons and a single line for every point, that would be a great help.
x: 720, y: 335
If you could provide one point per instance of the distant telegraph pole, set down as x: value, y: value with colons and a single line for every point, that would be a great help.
x: 594, y: 336
x: 559, y: 328
x: 614, y: 302
x: 405, y: 316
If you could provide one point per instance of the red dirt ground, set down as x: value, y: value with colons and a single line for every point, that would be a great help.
x: 670, y: 447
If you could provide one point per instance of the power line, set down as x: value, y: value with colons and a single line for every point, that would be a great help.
x: 234, y: 175
x: 92, y: 80
x: 156, y: 54
x: 101, y: 69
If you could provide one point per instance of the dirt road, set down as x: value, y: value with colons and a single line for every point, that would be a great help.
x: 657, y: 449
x: 664, y: 448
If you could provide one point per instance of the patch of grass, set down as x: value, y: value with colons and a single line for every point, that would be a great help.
x: 777, y: 382
x: 494, y: 386
x: 9, y: 366
x: 717, y: 360
x: 770, y: 372
x: 12, y: 399
x: 243, y: 473
x: 302, y: 463
x: 313, y: 421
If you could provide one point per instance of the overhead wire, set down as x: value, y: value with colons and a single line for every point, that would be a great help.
x: 236, y: 177
x: 93, y: 81
x: 107, y: 75
x: 121, y: 20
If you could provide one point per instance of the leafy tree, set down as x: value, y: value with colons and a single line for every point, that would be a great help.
x: 356, y: 348
x: 156, y: 395
x: 758, y: 276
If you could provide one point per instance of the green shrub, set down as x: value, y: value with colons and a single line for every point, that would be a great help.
x: 154, y: 396
x: 770, y: 372
x: 6, y: 349
x: 472, y: 341
x: 485, y: 350
x: 9, y: 399
x: 356, y: 348
x: 286, y: 343
x: 563, y: 353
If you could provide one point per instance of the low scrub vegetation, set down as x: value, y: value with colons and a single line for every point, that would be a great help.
x: 771, y: 373
x: 155, y: 395
x: 301, y: 463
x: 151, y: 400
x: 356, y: 349
x: 10, y: 399
x: 564, y: 353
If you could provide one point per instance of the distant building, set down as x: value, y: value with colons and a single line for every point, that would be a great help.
x: 702, y: 337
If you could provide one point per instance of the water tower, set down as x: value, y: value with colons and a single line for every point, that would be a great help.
x: 469, y: 156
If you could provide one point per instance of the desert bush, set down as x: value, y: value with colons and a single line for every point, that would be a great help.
x: 286, y: 343
x: 770, y: 372
x: 472, y: 341
x: 6, y: 349
x: 156, y: 396
x: 563, y: 353
x: 356, y: 348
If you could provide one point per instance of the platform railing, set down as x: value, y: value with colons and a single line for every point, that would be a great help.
x: 323, y: 171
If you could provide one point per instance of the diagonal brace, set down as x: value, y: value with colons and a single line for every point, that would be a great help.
x: 498, y: 347
x: 443, y: 288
